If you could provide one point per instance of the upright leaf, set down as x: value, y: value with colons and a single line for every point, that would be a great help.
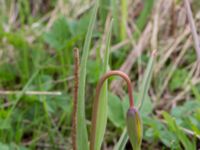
x: 124, y: 17
x: 103, y: 102
x: 122, y: 141
x: 143, y: 18
x: 82, y: 136
x: 146, y: 81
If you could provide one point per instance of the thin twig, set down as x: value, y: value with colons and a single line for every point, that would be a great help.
x: 119, y: 45
x: 155, y: 30
x: 84, y: 9
x: 187, y: 131
x: 169, y: 50
x: 50, y: 93
x: 76, y: 84
x: 193, y: 28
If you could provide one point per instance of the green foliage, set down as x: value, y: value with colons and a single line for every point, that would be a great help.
x: 93, y: 70
x: 156, y: 131
x: 103, y: 10
x: 190, y: 119
x: 179, y: 133
x: 7, y: 74
x: 24, y: 11
x: 11, y: 146
x: 172, y: 134
x: 64, y: 32
x: 116, y: 113
x: 35, y: 58
x: 178, y: 78
x: 143, y: 18
x: 59, y: 35
x: 118, y: 108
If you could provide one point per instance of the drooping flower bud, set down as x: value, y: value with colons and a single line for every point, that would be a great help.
x: 134, y: 128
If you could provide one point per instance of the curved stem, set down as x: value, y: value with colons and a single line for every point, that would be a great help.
x: 96, y: 101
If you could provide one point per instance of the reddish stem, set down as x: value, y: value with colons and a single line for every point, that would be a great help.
x: 96, y: 101
x: 76, y: 84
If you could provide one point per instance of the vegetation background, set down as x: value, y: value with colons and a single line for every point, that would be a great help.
x: 36, y: 70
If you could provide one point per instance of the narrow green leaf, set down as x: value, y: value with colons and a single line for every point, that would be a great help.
x: 103, y: 102
x: 146, y: 81
x: 143, y: 18
x: 115, y: 14
x: 122, y: 141
x: 103, y: 10
x: 124, y: 15
x: 195, y: 92
x: 82, y: 136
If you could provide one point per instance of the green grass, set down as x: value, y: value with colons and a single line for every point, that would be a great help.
x: 36, y: 54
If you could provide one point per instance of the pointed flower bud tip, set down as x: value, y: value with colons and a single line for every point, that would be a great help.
x: 134, y: 128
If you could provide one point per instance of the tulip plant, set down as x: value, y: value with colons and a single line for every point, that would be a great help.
x: 80, y: 140
x: 133, y: 122
x: 133, y: 119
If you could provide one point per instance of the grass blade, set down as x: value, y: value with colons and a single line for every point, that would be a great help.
x: 124, y: 15
x: 146, y: 80
x: 143, y: 18
x: 122, y: 141
x: 114, y: 7
x: 82, y: 136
